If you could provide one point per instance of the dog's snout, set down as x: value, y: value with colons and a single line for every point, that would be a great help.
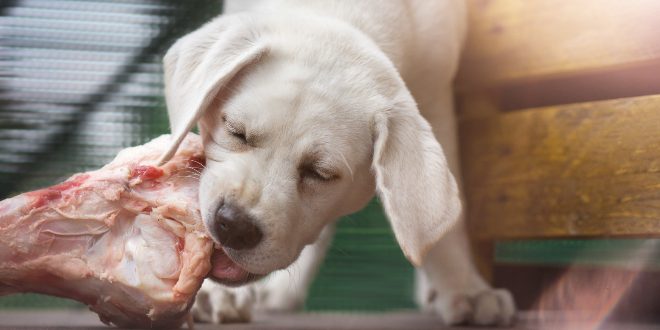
x: 236, y: 229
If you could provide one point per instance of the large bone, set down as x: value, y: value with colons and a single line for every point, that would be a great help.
x: 127, y: 239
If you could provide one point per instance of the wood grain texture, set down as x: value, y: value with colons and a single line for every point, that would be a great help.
x: 589, y: 169
x: 513, y: 40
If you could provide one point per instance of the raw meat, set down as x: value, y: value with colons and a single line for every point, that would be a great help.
x: 127, y: 239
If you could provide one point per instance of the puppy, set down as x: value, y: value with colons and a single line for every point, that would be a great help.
x: 306, y: 109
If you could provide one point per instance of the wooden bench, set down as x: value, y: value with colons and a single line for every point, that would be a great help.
x: 559, y: 119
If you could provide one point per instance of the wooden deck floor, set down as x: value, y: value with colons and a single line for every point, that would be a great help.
x: 73, y: 319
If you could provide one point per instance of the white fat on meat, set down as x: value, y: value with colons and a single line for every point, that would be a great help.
x: 127, y: 239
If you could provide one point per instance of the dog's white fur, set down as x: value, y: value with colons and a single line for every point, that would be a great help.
x: 326, y: 94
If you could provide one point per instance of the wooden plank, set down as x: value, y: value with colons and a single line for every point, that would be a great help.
x: 589, y: 169
x: 511, y: 40
x: 551, y: 319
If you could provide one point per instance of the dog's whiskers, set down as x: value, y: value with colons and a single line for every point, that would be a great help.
x: 343, y: 158
x: 190, y: 174
x: 194, y: 161
x: 187, y: 174
x: 190, y: 170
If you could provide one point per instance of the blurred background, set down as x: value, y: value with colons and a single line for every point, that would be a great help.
x: 82, y: 79
x: 558, y: 101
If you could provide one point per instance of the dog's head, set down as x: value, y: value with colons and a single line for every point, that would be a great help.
x: 298, y: 132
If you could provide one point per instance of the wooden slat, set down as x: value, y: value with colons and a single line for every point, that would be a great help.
x: 511, y: 40
x: 588, y: 169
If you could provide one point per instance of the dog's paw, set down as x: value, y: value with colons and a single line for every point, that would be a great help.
x: 488, y: 307
x: 216, y: 303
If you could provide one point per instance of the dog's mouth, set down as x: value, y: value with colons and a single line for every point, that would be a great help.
x: 227, y: 272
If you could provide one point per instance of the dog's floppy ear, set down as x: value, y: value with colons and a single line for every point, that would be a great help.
x: 198, y: 66
x: 413, y: 180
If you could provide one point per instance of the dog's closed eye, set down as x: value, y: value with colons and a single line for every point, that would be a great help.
x: 237, y: 134
x: 313, y: 172
x: 236, y: 130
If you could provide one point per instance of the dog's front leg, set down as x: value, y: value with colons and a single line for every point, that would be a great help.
x: 282, y: 291
x: 216, y: 303
x: 286, y: 290
x: 448, y: 283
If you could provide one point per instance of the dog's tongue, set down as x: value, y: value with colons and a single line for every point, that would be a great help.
x: 224, y: 269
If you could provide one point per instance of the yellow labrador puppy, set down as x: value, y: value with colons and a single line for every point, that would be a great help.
x: 307, y: 108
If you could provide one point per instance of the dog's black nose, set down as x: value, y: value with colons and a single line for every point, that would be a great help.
x: 236, y: 229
